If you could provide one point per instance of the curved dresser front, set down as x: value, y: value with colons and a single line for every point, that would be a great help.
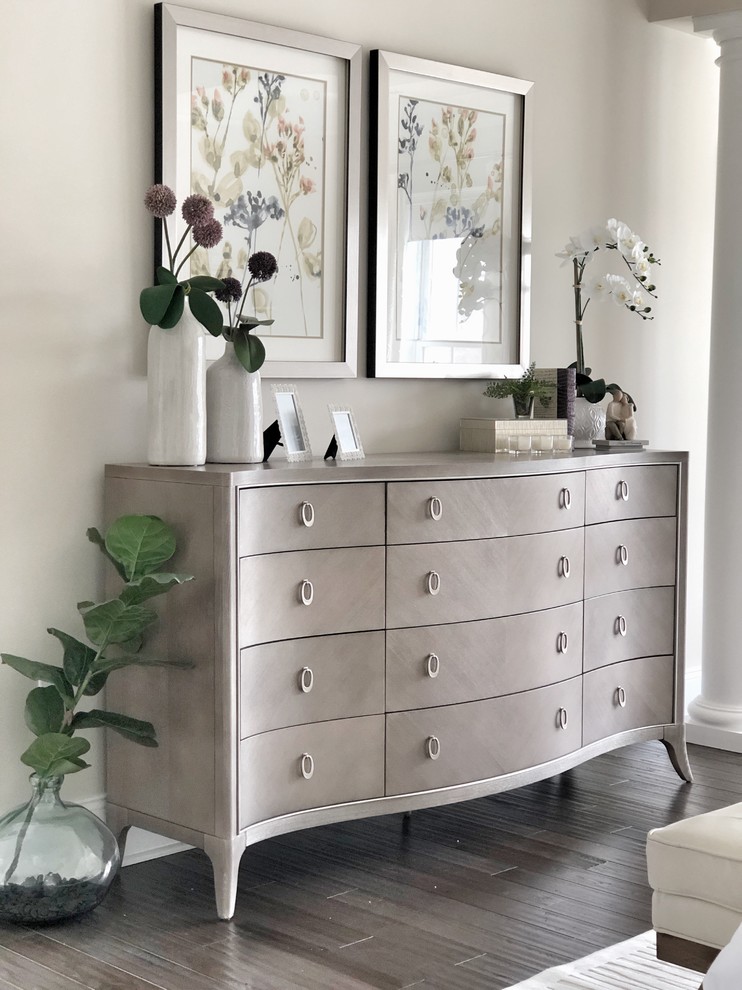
x: 398, y: 633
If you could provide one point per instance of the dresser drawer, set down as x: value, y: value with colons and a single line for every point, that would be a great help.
x: 482, y: 579
x: 631, y: 492
x: 311, y: 680
x: 431, y: 511
x: 481, y: 739
x: 629, y: 624
x: 626, y: 696
x: 635, y: 553
x: 310, y: 593
x: 468, y: 661
x: 305, y: 517
x: 310, y: 766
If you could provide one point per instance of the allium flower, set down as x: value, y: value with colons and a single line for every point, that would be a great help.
x: 262, y: 266
x: 207, y: 235
x: 231, y: 292
x: 197, y: 210
x: 162, y: 304
x: 160, y: 201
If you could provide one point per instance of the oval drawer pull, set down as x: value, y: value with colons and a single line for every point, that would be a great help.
x: 562, y: 642
x: 306, y: 679
x: 621, y: 625
x: 564, y: 567
x: 432, y: 665
x: 622, y: 554
x: 622, y: 491
x: 562, y: 718
x: 433, y: 747
x: 306, y: 592
x: 307, y: 766
x: 433, y: 582
x: 306, y: 514
x: 621, y: 697
x: 566, y: 498
x: 435, y: 508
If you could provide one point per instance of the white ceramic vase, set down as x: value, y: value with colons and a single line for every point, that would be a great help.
x: 176, y: 393
x: 589, y: 422
x: 234, y: 412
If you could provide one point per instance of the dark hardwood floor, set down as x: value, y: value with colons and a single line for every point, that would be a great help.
x: 475, y: 895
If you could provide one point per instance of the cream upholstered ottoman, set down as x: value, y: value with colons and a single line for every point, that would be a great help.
x: 695, y: 871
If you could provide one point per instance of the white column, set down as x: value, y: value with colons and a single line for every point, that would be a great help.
x: 716, y: 714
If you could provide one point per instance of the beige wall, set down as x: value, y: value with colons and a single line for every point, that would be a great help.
x: 624, y: 125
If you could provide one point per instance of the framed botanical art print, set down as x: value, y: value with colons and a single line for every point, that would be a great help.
x: 265, y: 122
x: 450, y: 221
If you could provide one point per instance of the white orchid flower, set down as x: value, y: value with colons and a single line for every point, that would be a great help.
x: 573, y: 249
x: 621, y: 292
x: 598, y: 287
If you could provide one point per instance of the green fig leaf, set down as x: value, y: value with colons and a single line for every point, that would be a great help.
x: 140, y: 544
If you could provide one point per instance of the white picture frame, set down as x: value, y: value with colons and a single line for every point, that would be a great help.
x: 347, y: 437
x: 294, y: 436
x: 450, y: 221
x: 219, y: 79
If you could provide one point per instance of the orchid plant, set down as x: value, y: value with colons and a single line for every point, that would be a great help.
x: 630, y: 293
x: 163, y: 304
x: 249, y: 348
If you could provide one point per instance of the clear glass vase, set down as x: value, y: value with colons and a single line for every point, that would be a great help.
x: 57, y: 860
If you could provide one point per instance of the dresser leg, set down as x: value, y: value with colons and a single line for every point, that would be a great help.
x: 117, y: 820
x: 225, y: 856
x: 674, y: 742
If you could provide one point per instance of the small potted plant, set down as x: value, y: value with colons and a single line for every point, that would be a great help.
x: 524, y: 391
x: 58, y: 860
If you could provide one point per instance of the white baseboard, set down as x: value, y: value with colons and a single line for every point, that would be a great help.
x: 140, y: 845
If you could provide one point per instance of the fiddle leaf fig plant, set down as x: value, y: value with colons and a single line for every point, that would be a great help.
x: 137, y: 546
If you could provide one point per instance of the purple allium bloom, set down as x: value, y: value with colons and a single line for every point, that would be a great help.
x: 207, y: 235
x: 197, y: 210
x: 262, y: 266
x: 231, y: 292
x: 160, y: 201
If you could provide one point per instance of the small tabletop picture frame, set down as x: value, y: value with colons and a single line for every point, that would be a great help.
x: 291, y: 422
x: 347, y: 437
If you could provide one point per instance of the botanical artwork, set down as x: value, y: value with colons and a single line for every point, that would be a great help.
x: 257, y: 152
x: 449, y: 229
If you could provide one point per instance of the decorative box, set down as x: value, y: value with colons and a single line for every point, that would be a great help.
x: 491, y: 435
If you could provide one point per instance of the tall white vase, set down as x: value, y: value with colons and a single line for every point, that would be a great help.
x: 589, y: 422
x: 176, y: 393
x: 234, y: 412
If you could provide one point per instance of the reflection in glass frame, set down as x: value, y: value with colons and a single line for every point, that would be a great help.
x: 294, y: 435
x: 266, y: 123
x: 346, y: 432
x: 450, y: 221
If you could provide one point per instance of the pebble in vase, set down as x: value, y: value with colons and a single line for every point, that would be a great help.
x: 234, y: 412
x: 176, y: 394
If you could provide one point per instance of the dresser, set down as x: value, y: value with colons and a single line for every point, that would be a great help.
x: 396, y: 633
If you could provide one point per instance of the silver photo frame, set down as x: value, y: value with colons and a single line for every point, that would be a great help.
x: 346, y: 433
x: 450, y: 221
x: 291, y: 422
